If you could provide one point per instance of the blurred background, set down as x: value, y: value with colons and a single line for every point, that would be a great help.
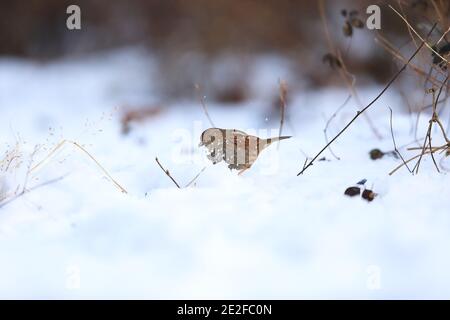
x: 188, y: 36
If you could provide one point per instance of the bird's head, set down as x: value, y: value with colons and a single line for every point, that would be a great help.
x: 210, y: 135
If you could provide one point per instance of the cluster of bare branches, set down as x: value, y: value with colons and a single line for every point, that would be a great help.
x: 433, y: 80
x: 427, y: 148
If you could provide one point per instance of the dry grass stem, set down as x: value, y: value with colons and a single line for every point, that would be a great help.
x: 203, y: 103
x: 83, y: 150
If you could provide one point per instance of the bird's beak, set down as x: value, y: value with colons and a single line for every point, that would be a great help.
x: 201, y: 144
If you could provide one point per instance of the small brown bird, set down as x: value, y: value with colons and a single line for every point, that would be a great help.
x: 235, y: 147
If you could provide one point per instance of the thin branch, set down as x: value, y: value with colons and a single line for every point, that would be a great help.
x: 359, y: 113
x: 195, y: 178
x: 25, y: 191
x: 407, y: 161
x: 432, y: 154
x: 167, y: 173
x: 325, y: 130
x: 283, y: 93
x: 83, y: 150
x: 395, y: 145
x: 443, y: 36
x: 427, y: 138
x: 434, y: 118
x: 205, y: 108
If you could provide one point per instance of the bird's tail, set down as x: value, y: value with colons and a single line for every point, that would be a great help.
x: 275, y: 139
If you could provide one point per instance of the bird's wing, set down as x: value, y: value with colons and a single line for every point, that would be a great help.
x: 240, y: 135
x: 238, y: 131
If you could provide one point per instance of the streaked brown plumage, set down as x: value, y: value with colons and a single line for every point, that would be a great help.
x: 235, y: 147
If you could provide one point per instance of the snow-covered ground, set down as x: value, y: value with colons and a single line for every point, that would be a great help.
x: 265, y: 234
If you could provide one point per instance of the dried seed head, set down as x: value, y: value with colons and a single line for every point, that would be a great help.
x: 347, y: 29
x: 376, y: 154
x: 357, y: 23
x: 332, y: 61
x: 368, y: 195
x: 443, y: 52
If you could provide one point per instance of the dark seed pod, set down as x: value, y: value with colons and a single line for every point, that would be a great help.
x: 376, y: 154
x: 347, y: 29
x: 368, y: 195
x: 352, y: 191
x: 357, y: 23
x: 332, y: 61
x: 443, y: 51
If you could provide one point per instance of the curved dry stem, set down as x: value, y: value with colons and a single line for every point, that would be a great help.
x: 417, y: 156
x: 83, y: 150
x: 203, y: 103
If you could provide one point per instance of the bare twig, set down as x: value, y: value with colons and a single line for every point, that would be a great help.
x: 195, y: 178
x: 202, y: 101
x: 359, y: 113
x: 434, y: 119
x: 167, y: 173
x: 325, y: 130
x: 432, y: 154
x: 427, y: 147
x: 443, y: 35
x: 283, y: 93
x: 25, y: 191
x: 82, y: 149
x: 395, y: 145
x: 407, y: 161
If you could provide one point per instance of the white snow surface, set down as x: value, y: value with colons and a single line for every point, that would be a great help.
x: 266, y: 234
